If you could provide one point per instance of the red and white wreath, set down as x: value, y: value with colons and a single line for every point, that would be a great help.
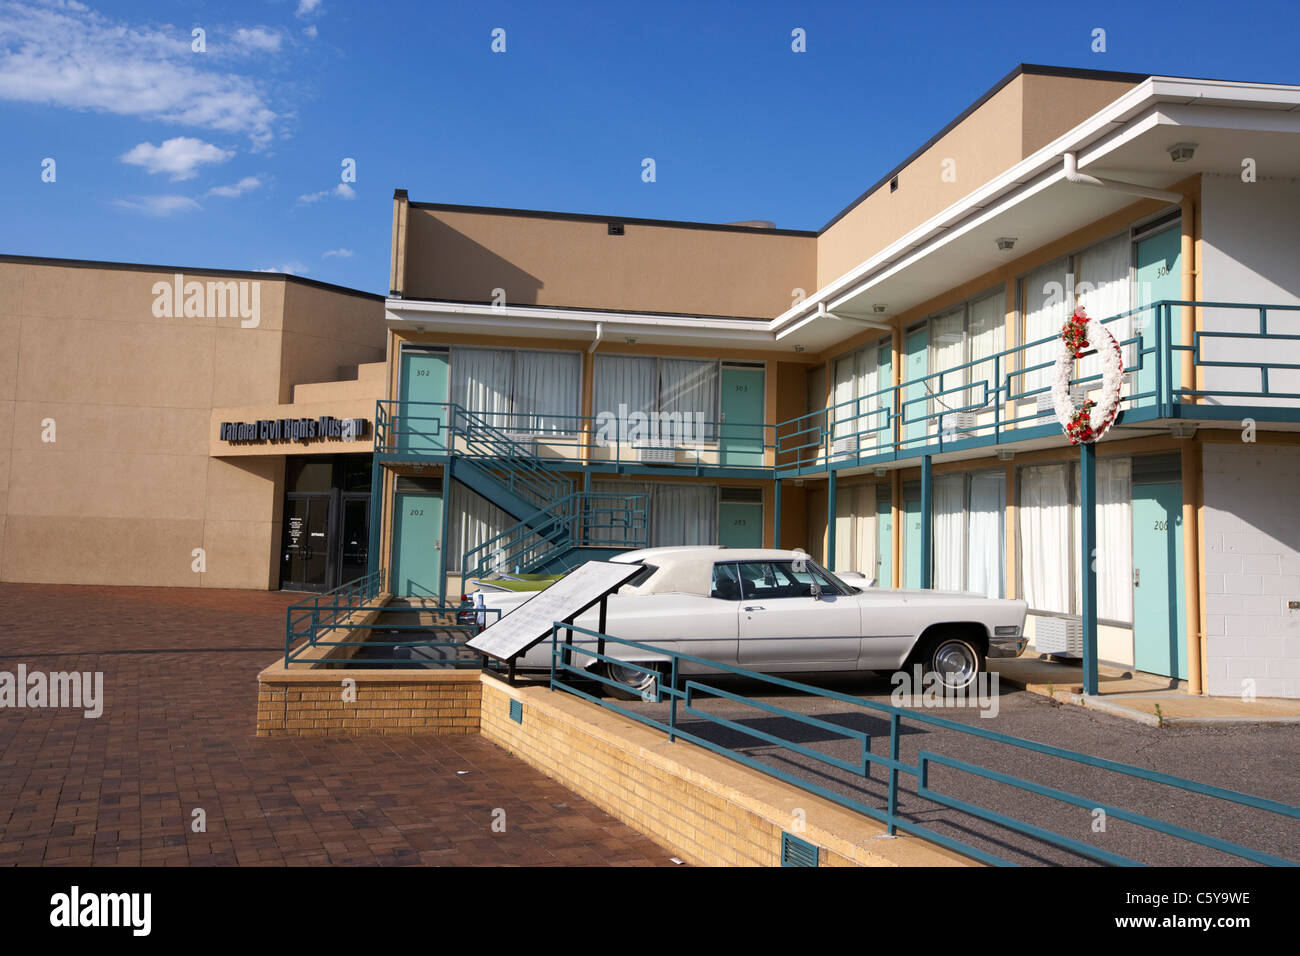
x: 1091, y: 420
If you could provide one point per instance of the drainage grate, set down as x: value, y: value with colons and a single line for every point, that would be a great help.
x: 517, y: 711
x: 796, y: 852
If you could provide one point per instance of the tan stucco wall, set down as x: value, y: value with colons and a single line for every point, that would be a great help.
x: 463, y: 256
x: 127, y: 491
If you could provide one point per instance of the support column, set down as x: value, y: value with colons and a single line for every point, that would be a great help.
x: 830, y: 520
x: 896, y: 513
x: 776, y: 515
x: 1190, y: 453
x: 442, y: 542
x: 926, y: 529
x: 1087, y: 552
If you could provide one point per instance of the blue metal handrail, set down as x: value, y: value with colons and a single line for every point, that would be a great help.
x: 682, y: 698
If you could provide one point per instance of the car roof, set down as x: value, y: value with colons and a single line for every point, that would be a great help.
x: 690, y: 570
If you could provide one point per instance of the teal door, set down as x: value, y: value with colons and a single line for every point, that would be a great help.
x: 740, y: 524
x: 742, y: 416
x: 915, y: 365
x: 417, y: 545
x: 1159, y: 613
x: 884, y: 538
x: 911, y: 542
x: 422, y: 420
x: 1158, y: 277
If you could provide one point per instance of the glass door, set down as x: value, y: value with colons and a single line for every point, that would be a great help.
x: 354, y: 539
x: 305, y: 558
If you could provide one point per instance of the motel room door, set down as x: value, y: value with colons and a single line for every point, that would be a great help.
x: 1159, y: 276
x: 1159, y: 613
x: 417, y: 538
x: 912, y: 535
x: 742, y: 415
x: 915, y: 366
x: 423, y: 427
x: 740, y: 518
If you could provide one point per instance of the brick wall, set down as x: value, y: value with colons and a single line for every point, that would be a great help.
x: 706, y: 809
x: 1252, y: 568
x: 300, y: 703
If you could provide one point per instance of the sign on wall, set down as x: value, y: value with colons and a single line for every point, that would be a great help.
x: 325, y: 428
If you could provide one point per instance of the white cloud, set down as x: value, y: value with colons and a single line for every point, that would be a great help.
x: 234, y: 190
x: 69, y: 56
x: 289, y: 268
x: 337, y: 253
x: 159, y: 206
x: 180, y: 156
x: 307, y: 7
x: 258, y: 40
x: 310, y: 31
x: 342, y: 190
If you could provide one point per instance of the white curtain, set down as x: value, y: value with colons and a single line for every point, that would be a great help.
x: 602, y: 529
x: 624, y: 380
x: 1114, y: 539
x: 949, y: 534
x: 473, y: 521
x: 690, y: 388
x: 986, y: 327
x: 1046, y: 307
x: 480, y: 383
x: 986, y: 533
x: 845, y: 391
x: 845, y: 539
x: 1044, y: 508
x: 868, y: 384
x: 855, y: 530
x: 1103, y: 285
x: 682, y: 514
x: 546, y: 392
x: 947, y: 350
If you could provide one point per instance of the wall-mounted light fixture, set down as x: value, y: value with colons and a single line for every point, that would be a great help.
x: 1182, y: 152
x: 798, y: 348
x: 1005, y: 454
x: 1006, y: 243
x: 879, y: 308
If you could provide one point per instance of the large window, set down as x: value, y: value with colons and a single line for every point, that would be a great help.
x: 650, y: 385
x: 1048, y: 506
x: 969, y: 549
x: 855, y: 530
x: 859, y: 375
x: 970, y: 332
x: 519, y: 391
x: 679, y: 513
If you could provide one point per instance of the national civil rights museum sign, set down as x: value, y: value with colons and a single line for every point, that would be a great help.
x: 327, y: 427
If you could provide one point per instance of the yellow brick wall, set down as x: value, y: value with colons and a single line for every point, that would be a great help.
x: 289, y: 706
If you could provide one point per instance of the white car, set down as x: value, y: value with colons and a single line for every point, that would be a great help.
x: 772, y: 610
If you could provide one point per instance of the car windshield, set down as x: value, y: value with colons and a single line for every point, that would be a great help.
x: 781, y: 579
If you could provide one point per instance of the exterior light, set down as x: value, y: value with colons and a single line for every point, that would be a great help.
x: 879, y: 307
x: 881, y: 472
x: 1005, y: 243
x: 631, y: 340
x: 1182, y: 429
x: 1005, y: 454
x: 798, y: 348
x: 1182, y: 152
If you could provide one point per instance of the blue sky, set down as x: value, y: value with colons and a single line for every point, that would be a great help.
x: 232, y: 157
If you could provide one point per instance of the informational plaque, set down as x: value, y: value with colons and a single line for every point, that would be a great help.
x: 530, y: 622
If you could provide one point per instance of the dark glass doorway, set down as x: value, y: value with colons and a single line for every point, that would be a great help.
x: 325, y: 537
x: 305, y: 563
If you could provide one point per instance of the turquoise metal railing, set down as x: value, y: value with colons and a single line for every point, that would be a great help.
x: 583, y: 519
x: 682, y: 695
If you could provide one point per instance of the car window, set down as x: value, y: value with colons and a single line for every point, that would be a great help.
x: 778, y: 579
x: 726, y: 585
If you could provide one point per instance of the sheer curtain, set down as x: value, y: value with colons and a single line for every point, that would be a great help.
x: 986, y: 533
x: 1114, y: 539
x: 683, y: 514
x: 624, y: 380
x: 1046, y: 308
x: 868, y: 383
x: 845, y: 539
x: 1103, y: 286
x: 1044, y: 508
x: 864, y: 534
x: 949, y: 516
x: 606, y: 510
x: 845, y: 391
x: 987, y: 329
x: 947, y: 349
x: 546, y: 391
x: 690, y: 388
x: 473, y: 521
x: 480, y: 383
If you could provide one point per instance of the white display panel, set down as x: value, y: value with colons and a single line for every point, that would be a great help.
x: 568, y: 597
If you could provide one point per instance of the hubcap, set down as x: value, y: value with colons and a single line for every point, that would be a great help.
x: 955, y: 663
x: 630, y: 676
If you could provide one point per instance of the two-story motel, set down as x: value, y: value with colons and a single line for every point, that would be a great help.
x: 558, y: 386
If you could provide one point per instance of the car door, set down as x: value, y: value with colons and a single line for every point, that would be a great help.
x: 782, y: 626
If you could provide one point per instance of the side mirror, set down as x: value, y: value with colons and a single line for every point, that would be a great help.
x: 816, y: 590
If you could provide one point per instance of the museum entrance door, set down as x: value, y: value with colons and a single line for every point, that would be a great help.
x: 306, y: 558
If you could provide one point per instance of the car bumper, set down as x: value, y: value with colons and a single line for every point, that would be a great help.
x: 1003, y: 647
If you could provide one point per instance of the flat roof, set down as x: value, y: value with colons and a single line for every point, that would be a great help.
x: 189, y: 270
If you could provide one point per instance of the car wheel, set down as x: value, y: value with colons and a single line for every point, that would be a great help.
x: 955, y: 658
x: 628, y: 683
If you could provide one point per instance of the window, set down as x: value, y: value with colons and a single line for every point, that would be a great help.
x: 855, y: 530
x: 626, y: 384
x: 679, y: 513
x: 772, y: 580
x: 972, y: 331
x: 968, y: 530
x: 726, y: 583
x: 519, y: 391
x: 859, y: 409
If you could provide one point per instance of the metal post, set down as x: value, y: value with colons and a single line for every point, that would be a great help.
x: 1087, y: 556
x: 776, y: 518
x: 376, y: 505
x: 830, y: 520
x: 926, y: 529
x: 442, y: 542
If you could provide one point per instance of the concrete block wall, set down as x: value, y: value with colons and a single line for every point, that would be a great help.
x: 1252, y: 568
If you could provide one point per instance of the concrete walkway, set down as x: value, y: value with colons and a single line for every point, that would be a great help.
x: 1145, y: 698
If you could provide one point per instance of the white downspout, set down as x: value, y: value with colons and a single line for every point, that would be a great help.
x: 1073, y: 175
x: 600, y: 333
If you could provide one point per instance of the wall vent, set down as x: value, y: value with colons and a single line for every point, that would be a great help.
x: 517, y: 711
x: 796, y: 852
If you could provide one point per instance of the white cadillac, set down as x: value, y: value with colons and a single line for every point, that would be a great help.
x: 776, y: 611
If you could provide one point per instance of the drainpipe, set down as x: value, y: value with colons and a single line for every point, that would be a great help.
x: 1191, y: 571
x: 600, y: 334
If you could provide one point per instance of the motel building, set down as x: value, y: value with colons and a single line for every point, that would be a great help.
x: 541, y: 388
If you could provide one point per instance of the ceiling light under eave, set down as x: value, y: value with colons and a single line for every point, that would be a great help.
x: 1006, y: 243
x: 798, y: 348
x: 1182, y: 152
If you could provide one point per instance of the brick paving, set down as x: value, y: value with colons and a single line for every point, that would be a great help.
x: 176, y: 735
